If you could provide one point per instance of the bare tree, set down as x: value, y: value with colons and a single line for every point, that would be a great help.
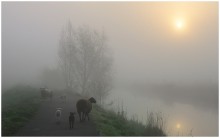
x: 86, y: 61
x: 67, y: 51
x: 101, y: 82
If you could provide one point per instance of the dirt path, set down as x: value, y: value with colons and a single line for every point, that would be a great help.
x: 44, y: 123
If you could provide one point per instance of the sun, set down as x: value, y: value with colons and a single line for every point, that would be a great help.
x: 178, y: 125
x: 179, y: 24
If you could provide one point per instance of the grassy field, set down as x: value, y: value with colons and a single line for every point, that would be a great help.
x: 110, y: 123
x: 19, y: 104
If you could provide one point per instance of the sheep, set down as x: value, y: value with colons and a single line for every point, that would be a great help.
x: 45, y: 92
x: 71, y: 119
x: 84, y: 106
x: 58, y: 115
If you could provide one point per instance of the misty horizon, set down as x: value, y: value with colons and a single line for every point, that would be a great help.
x: 152, y: 57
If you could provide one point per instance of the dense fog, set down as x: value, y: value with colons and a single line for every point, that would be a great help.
x: 159, y: 67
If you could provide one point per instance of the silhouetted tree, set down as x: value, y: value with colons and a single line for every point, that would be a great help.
x: 86, y: 61
x: 67, y: 51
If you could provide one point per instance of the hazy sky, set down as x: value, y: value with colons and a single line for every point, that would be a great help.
x: 147, y: 46
x: 145, y: 42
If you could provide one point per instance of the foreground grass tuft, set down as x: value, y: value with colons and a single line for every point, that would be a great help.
x: 19, y: 104
x: 110, y: 123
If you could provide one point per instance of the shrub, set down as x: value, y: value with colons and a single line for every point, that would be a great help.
x: 110, y: 123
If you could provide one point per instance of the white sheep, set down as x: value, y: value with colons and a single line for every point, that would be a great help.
x: 58, y: 115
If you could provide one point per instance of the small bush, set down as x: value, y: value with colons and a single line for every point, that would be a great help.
x: 110, y: 123
x: 155, y: 125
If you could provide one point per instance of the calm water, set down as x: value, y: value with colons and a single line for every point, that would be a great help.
x: 189, y: 117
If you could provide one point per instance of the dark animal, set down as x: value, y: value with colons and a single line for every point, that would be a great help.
x: 45, y: 93
x: 84, y: 107
x: 71, y: 119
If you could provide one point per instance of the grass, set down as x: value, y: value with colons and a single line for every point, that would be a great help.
x: 110, y: 123
x: 19, y: 104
